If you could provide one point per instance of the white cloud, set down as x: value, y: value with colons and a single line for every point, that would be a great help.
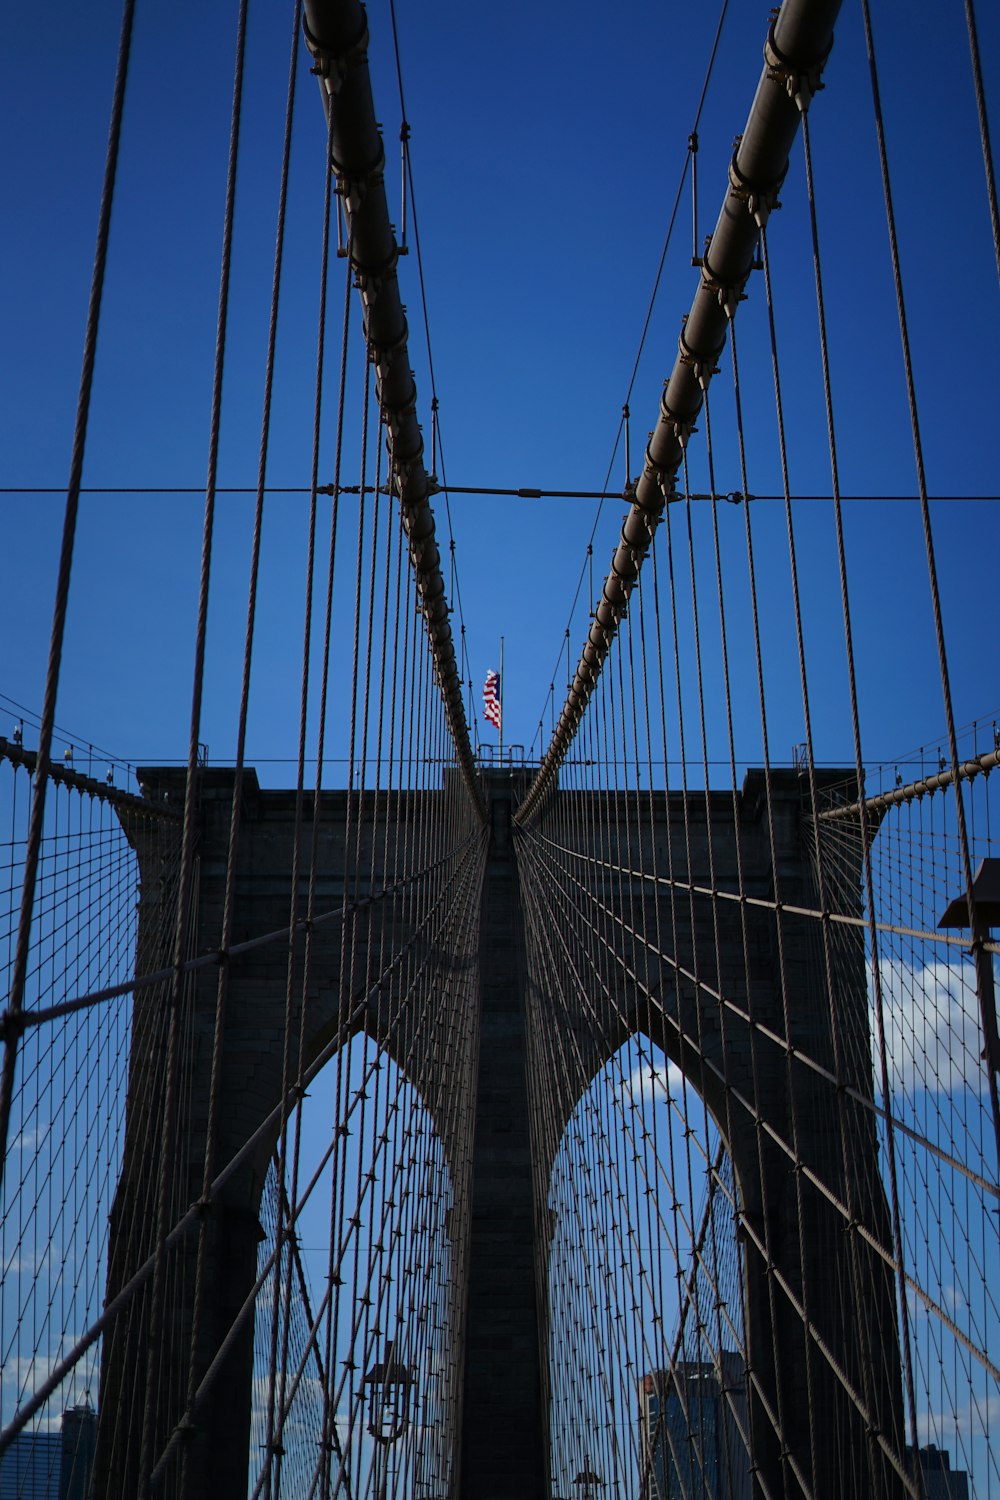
x: 932, y: 1028
x: 29, y: 1140
x: 658, y: 1081
x: 21, y: 1376
x: 974, y: 1418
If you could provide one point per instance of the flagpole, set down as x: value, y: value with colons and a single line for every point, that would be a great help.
x: 501, y: 702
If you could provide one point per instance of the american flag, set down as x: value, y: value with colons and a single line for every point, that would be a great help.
x: 491, y: 698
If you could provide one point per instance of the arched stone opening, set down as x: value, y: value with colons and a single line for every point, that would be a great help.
x: 344, y: 1001
x: 737, y: 995
x: 644, y: 1283
x: 377, y: 1246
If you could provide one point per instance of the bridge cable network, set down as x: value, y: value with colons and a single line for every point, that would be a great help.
x: 243, y: 1107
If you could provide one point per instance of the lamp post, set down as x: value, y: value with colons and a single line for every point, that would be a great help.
x: 588, y: 1481
x: 389, y: 1385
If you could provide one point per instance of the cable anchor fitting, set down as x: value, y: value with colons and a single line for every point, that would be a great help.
x: 728, y: 294
x: 664, y: 481
x: 369, y: 281
x: 384, y: 356
x: 682, y: 427
x: 636, y: 554
x: 801, y: 82
x: 761, y: 201
x: 703, y: 366
x: 352, y: 187
x: 333, y: 67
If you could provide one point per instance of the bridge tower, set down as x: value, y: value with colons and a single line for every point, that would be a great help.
x: 792, y: 1096
x: 504, y: 1426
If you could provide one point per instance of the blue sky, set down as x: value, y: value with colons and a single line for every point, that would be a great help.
x: 547, y: 149
x: 546, y: 156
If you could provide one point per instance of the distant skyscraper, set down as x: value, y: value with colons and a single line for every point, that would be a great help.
x: 52, y: 1465
x: 941, y: 1481
x: 76, y: 1460
x: 691, y: 1435
x: 29, y: 1468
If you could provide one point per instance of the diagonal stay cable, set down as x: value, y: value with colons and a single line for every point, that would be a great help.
x: 605, y: 493
x: 408, y: 186
x: 337, y: 36
x: 984, y: 127
x: 798, y: 44
x: 189, y: 1220
x: 216, y: 956
x: 65, y: 568
x: 785, y: 1146
x: 191, y: 790
x: 197, y: 1394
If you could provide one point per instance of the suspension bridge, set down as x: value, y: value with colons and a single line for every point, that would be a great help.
x: 417, y: 1112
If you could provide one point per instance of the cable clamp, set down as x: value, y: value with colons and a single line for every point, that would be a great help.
x: 728, y: 294
x: 370, y: 280
x: 682, y: 427
x: 665, y: 481
x: 333, y: 67
x: 800, y: 82
x: 352, y: 187
x: 630, y: 494
x: 394, y: 416
x: 384, y: 356
x: 704, y: 366
x: 619, y: 607
x: 650, y: 520
x: 636, y: 555
x: 760, y: 201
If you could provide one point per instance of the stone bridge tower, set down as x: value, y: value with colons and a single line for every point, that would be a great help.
x: 727, y: 1035
x: 504, y: 1379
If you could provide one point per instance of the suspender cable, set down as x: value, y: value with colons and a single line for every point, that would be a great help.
x: 337, y: 36
x: 61, y: 604
x: 797, y: 46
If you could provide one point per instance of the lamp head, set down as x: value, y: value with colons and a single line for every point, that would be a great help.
x: 389, y: 1384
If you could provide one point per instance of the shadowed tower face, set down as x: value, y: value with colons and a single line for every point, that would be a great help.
x: 501, y: 1221
x: 370, y: 976
x: 635, y: 930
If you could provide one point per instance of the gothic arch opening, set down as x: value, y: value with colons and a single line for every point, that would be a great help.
x: 365, y: 1313
x: 646, y: 1325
